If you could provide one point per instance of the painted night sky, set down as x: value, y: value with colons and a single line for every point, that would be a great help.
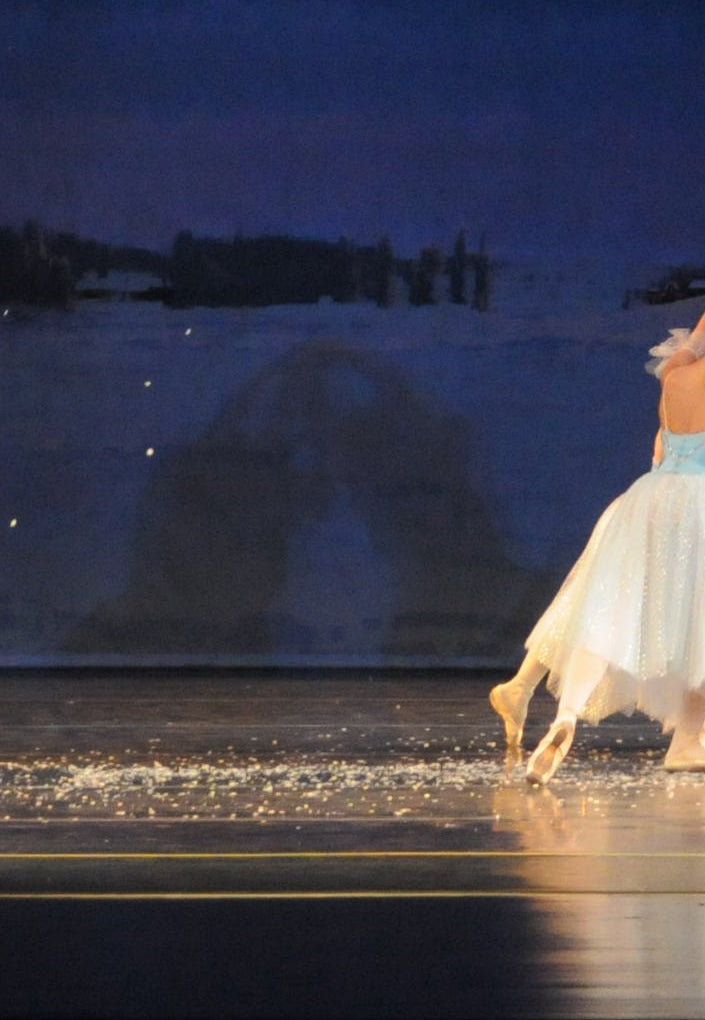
x: 348, y: 480
x: 553, y: 125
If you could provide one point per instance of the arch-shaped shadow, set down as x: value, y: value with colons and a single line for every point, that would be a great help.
x: 217, y: 522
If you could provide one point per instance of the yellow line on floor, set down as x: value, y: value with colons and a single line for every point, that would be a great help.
x: 358, y: 894
x: 351, y: 855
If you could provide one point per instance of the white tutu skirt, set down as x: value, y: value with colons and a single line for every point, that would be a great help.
x: 635, y: 602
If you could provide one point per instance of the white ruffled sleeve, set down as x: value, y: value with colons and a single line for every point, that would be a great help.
x: 677, y: 340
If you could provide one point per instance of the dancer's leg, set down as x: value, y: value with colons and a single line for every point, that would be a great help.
x: 583, y: 673
x: 686, y: 752
x: 511, y: 699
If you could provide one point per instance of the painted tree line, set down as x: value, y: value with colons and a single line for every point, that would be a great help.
x: 40, y: 267
x: 284, y: 270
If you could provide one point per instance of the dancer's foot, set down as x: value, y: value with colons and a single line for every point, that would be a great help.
x: 686, y: 753
x: 551, y: 751
x: 513, y: 756
x: 511, y: 702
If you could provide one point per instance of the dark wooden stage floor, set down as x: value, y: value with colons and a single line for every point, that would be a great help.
x: 346, y: 844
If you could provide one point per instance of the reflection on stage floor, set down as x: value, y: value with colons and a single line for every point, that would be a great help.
x: 362, y: 798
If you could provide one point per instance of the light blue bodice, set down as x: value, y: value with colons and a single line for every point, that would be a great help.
x: 683, y: 452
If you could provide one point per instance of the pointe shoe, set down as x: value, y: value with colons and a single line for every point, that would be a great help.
x: 550, y: 752
x: 686, y: 754
x: 511, y: 705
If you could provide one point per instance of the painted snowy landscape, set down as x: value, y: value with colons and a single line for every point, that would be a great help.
x: 333, y: 483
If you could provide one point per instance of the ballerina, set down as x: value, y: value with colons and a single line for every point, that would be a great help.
x: 625, y: 630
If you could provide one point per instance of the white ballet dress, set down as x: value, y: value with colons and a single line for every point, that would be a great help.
x: 635, y: 599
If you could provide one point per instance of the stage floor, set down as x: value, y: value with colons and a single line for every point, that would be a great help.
x: 322, y: 806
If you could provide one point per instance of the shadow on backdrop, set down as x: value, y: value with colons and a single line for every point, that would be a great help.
x: 328, y: 510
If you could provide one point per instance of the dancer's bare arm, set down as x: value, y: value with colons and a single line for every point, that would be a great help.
x: 692, y: 351
x: 699, y: 329
x: 658, y: 448
x: 682, y: 357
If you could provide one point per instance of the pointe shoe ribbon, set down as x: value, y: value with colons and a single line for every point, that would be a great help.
x: 550, y: 752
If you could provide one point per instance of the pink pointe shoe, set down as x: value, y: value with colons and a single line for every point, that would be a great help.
x: 686, y: 753
x: 511, y: 704
x: 550, y: 752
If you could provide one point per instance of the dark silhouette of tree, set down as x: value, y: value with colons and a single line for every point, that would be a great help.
x: 384, y: 271
x: 258, y: 271
x: 31, y: 270
x: 85, y: 256
x: 424, y: 273
x: 345, y: 272
x: 186, y: 269
x: 483, y: 272
x: 457, y: 264
x: 11, y: 264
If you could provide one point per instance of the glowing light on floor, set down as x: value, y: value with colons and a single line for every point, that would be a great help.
x: 148, y: 382
x: 13, y: 522
x: 149, y: 452
x: 187, y: 332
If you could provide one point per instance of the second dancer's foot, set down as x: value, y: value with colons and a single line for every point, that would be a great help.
x: 686, y: 753
x: 551, y: 751
x: 511, y: 702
